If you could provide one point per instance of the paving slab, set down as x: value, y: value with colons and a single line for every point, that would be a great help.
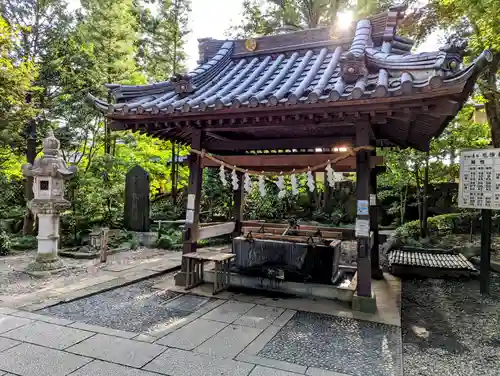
x: 6, y: 343
x: 99, y: 368
x: 266, y: 371
x: 45, y: 318
x: 117, y: 350
x: 49, y: 335
x: 258, y: 344
x: 313, y: 371
x: 10, y: 322
x: 7, y: 311
x: 285, y: 317
x: 192, y: 334
x: 259, y: 316
x: 119, y: 267
x: 103, y: 330
x: 32, y: 360
x: 188, y: 303
x: 338, y: 344
x: 229, y: 311
x: 212, y: 304
x: 174, y: 323
x: 176, y: 362
x: 145, y: 338
x: 230, y: 341
x: 161, y: 266
x: 266, y: 362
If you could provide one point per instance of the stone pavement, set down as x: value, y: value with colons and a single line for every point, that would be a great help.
x: 83, y: 278
x: 219, y: 337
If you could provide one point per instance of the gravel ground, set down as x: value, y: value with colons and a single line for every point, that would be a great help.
x: 354, y: 347
x: 449, y: 329
x: 136, y: 308
x: 13, y: 281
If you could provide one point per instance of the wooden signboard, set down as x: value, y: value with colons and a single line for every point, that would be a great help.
x: 479, y: 188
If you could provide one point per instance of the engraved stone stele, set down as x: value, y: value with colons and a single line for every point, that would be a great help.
x: 49, y: 173
x: 136, y: 209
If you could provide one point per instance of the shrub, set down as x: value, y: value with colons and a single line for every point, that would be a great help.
x: 439, y: 225
x: 5, y: 243
x: 23, y: 242
x: 170, y: 238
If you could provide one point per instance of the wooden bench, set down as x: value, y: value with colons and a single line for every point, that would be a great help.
x: 194, y: 269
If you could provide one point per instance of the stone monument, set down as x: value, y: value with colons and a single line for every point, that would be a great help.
x: 49, y: 173
x: 136, y: 211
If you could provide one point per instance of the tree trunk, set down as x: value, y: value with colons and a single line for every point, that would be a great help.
x: 492, y: 105
x: 107, y: 130
x: 419, y: 201
x: 173, y: 174
x: 403, y: 199
x: 29, y: 217
x: 424, y: 198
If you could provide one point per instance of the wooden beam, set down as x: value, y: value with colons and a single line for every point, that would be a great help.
x: 288, y: 161
x: 194, y: 196
x: 374, y: 211
x: 279, y: 143
x: 217, y: 137
x: 216, y: 230
x: 284, y: 125
x: 446, y: 108
x: 363, y: 195
x: 381, y: 104
x: 238, y: 204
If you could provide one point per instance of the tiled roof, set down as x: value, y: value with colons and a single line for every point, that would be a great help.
x: 430, y: 260
x: 367, y: 64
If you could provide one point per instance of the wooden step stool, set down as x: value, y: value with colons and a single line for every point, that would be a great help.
x: 194, y: 269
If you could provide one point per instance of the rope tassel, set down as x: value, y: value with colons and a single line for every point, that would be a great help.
x: 330, y: 175
x: 222, y: 175
x: 248, y: 183
x: 262, y: 186
x: 234, y: 180
x: 310, y: 181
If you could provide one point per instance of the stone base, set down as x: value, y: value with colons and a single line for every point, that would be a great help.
x: 364, y: 303
x: 44, y: 266
x: 147, y: 239
x: 180, y: 279
x: 307, y: 290
x: 377, y: 274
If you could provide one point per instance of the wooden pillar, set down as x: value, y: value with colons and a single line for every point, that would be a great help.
x: 374, y: 210
x: 363, y: 217
x: 191, y: 229
x: 238, y: 205
x: 484, y: 278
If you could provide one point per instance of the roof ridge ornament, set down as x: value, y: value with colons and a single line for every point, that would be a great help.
x: 183, y: 84
x: 352, y: 67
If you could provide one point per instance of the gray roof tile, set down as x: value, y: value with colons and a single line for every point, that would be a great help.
x: 306, y: 75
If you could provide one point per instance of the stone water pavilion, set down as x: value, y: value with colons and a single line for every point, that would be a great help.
x: 270, y: 103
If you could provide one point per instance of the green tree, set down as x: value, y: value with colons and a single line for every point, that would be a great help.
x: 267, y: 18
x: 111, y: 30
x: 16, y: 77
x: 161, y: 44
x: 478, y: 21
x: 40, y: 23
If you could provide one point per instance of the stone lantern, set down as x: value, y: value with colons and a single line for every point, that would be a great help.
x: 49, y: 173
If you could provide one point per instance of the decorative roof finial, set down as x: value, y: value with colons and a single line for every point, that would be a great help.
x: 183, y: 84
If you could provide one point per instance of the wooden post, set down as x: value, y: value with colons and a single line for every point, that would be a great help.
x: 485, y: 251
x: 104, y: 244
x: 363, y: 197
x: 375, y: 259
x: 238, y: 205
x: 194, y: 195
